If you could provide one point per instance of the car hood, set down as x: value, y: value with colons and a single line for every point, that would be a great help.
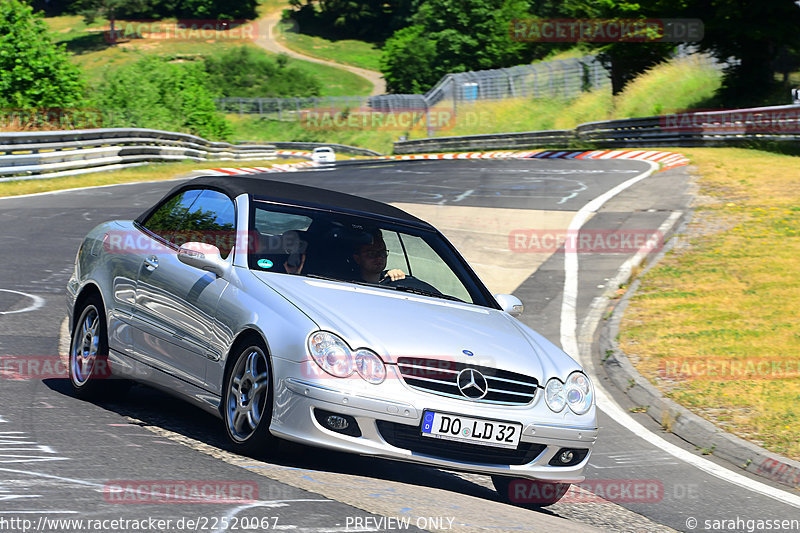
x: 397, y: 324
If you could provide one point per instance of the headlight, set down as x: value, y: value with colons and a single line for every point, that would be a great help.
x: 554, y: 395
x: 331, y: 354
x: 370, y: 367
x: 579, y: 392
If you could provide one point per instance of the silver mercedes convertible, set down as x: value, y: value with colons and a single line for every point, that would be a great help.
x: 327, y: 319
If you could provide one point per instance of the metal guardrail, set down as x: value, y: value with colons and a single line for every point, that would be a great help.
x: 338, y: 148
x: 53, y: 154
x: 32, y: 155
x: 530, y: 139
x: 707, y: 128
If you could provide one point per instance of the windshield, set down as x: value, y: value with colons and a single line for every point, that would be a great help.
x: 361, y: 250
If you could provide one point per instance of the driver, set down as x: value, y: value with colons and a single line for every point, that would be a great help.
x: 371, y: 261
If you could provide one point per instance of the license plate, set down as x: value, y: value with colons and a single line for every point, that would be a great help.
x: 472, y: 430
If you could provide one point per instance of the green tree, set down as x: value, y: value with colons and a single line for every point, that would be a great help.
x: 749, y: 35
x: 754, y: 38
x: 453, y: 36
x: 158, y: 9
x: 370, y: 20
x: 626, y: 60
x: 109, y: 9
x: 406, y: 61
x: 34, y: 72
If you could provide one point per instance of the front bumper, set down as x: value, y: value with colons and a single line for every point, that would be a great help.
x: 392, y: 409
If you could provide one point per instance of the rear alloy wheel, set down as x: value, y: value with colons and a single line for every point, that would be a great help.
x: 88, y: 352
x: 529, y: 492
x: 247, y: 401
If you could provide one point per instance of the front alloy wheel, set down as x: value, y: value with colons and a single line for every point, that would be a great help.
x: 248, y: 399
x: 88, y: 354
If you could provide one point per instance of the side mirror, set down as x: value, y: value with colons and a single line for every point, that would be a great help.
x: 510, y: 304
x: 203, y: 256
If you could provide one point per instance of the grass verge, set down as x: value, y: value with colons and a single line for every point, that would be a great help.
x: 94, y: 55
x: 151, y: 172
x: 254, y: 128
x: 346, y: 51
x: 715, y: 324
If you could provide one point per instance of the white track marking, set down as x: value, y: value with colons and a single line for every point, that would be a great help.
x: 38, y: 302
x: 569, y: 343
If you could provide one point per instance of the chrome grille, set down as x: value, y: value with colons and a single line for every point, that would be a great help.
x: 439, y: 376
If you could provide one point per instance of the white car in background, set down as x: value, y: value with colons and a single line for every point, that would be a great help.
x: 323, y: 154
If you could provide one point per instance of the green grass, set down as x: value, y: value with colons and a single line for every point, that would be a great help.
x: 95, y: 56
x: 346, y: 51
x: 671, y: 87
x: 252, y: 128
x: 730, y: 297
x: 270, y: 6
x: 335, y: 81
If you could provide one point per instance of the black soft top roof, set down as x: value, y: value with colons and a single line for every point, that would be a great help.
x: 293, y: 194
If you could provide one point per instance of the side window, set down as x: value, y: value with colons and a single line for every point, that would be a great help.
x: 166, y: 220
x: 211, y: 219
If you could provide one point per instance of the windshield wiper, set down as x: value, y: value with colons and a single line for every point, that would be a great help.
x: 422, y: 292
x: 401, y: 288
x: 328, y: 278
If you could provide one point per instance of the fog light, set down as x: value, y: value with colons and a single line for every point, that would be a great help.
x: 339, y: 423
x: 568, y: 456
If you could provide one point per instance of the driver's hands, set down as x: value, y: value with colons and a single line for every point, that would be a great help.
x: 394, y: 274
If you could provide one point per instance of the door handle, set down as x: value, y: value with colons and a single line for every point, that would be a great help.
x: 151, y: 263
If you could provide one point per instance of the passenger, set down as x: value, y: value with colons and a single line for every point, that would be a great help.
x: 296, y: 250
x: 370, y: 260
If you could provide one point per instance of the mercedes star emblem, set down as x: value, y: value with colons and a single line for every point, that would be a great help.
x: 472, y: 384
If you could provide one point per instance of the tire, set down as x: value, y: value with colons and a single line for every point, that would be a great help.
x: 529, y: 492
x: 88, y: 351
x: 247, y: 399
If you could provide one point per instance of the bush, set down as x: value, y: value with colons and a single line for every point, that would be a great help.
x: 248, y: 72
x: 35, y: 73
x: 154, y: 93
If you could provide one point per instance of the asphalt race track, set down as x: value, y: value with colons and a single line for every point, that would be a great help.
x: 60, y: 455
